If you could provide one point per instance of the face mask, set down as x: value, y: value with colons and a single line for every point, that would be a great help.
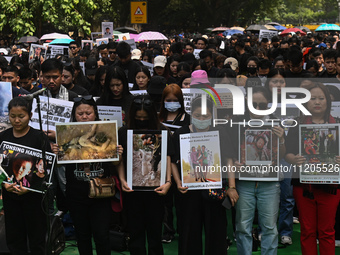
x: 251, y: 70
x: 142, y: 124
x: 201, y: 124
x: 172, y: 106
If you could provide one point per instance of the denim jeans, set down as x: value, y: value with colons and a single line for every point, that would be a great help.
x: 287, y: 203
x: 265, y: 196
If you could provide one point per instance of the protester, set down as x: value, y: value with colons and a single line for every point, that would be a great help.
x: 142, y: 79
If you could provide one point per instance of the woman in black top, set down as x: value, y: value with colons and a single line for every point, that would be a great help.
x: 116, y: 90
x: 24, y: 215
x: 144, y: 209
x: 91, y: 216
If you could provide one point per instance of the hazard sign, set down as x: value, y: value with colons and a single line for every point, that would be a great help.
x: 139, y: 12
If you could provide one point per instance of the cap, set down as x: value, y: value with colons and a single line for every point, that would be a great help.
x: 136, y: 54
x: 159, y: 61
x: 91, y: 66
x: 232, y: 62
x: 156, y: 85
x: 199, y: 77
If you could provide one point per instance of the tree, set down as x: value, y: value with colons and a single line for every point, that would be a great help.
x: 26, y: 17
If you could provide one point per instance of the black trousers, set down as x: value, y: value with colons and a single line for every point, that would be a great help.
x: 24, y: 218
x: 145, y: 214
x: 92, y: 218
x: 197, y: 210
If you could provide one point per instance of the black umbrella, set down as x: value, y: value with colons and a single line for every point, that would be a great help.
x: 127, y: 30
x: 28, y: 39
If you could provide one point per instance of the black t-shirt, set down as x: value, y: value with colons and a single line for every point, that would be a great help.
x: 78, y: 176
x: 180, y: 120
x: 80, y: 91
x: 129, y: 69
x: 33, y: 139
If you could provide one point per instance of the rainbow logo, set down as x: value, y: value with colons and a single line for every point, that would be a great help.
x: 211, y: 95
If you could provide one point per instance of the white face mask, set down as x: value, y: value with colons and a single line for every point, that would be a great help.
x: 201, y: 124
x: 172, y: 106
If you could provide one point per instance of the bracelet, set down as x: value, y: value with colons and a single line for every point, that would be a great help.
x: 232, y: 187
x: 168, y: 182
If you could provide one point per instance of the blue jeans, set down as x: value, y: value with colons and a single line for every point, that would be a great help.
x: 287, y: 203
x: 265, y: 196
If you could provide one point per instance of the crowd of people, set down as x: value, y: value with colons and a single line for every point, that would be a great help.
x: 113, y: 74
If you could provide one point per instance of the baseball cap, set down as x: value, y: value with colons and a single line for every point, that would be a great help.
x: 159, y: 61
x: 91, y: 66
x: 232, y: 62
x: 136, y: 54
x: 199, y: 77
x: 3, y: 51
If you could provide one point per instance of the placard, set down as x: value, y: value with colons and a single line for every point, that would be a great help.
x: 37, y: 52
x: 319, y: 144
x: 259, y: 153
x: 124, y: 36
x: 93, y: 141
x: 52, y: 111
x: 54, y: 50
x: 96, y: 35
x: 149, y: 66
x: 87, y: 44
x: 197, y: 53
x: 107, y: 29
x: 107, y: 113
x: 25, y: 165
x: 5, y: 97
x: 132, y: 43
x: 102, y: 41
x: 146, y: 159
x: 267, y: 34
x: 201, y: 166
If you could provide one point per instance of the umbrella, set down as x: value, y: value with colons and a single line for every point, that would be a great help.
x: 280, y: 28
x: 126, y: 30
x: 292, y: 30
x: 273, y: 24
x: 306, y: 29
x: 270, y: 27
x: 232, y: 32
x: 54, y: 36
x: 237, y: 28
x: 150, y: 35
x: 256, y: 28
x: 28, y: 39
x: 61, y: 41
x: 328, y: 27
x: 220, y: 29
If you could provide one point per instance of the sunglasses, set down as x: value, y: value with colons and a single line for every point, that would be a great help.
x: 78, y: 99
x: 72, y: 48
x: 262, y: 106
x: 142, y: 101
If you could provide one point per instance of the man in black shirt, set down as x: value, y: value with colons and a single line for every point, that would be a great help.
x: 67, y: 81
x: 11, y: 74
x: 26, y: 80
x: 329, y: 57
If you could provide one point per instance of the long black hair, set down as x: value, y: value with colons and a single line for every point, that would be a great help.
x: 90, y: 102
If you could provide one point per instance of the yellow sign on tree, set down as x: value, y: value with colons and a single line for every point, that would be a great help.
x: 139, y: 12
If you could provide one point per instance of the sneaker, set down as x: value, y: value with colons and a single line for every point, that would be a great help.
x: 286, y: 240
x: 167, y: 238
x: 296, y: 220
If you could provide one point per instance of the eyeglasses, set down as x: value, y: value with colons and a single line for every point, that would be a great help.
x: 73, y: 48
x: 86, y: 98
x: 142, y: 101
x: 262, y: 106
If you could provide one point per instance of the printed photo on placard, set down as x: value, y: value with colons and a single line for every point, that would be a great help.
x: 124, y: 36
x: 81, y: 142
x: 37, y: 52
x: 52, y: 111
x: 146, y: 159
x: 25, y: 165
x: 201, y: 160
x: 107, y: 29
x: 319, y: 144
x: 335, y: 111
x: 5, y: 97
x: 259, y: 153
x: 96, y: 35
x: 54, y: 50
x: 102, y: 41
x: 87, y: 44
